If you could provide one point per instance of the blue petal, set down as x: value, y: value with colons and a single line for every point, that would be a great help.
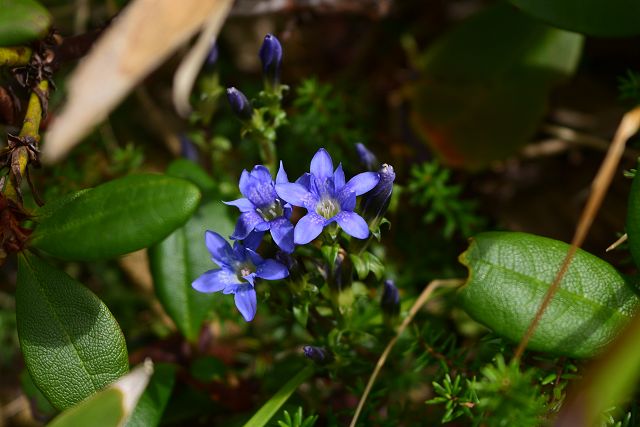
x: 254, y: 256
x: 215, y: 280
x: 338, y: 178
x: 362, y: 183
x: 304, y: 180
x: 347, y: 201
x: 272, y: 270
x: 296, y: 194
x: 321, y: 165
x: 253, y: 240
x: 259, y: 191
x: 244, y: 183
x: 308, y: 228
x: 246, y: 301
x: 243, y: 204
x: 281, y: 177
x: 261, y: 173
x: 251, y: 278
x: 322, y: 187
x: 263, y: 226
x: 247, y: 222
x: 282, y: 233
x: 219, y: 248
x: 353, y: 224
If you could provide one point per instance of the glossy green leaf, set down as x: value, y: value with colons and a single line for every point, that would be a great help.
x: 22, y: 21
x: 186, y: 169
x: 608, y: 18
x: 271, y: 407
x: 110, y: 407
x: 633, y: 219
x: 484, y: 86
x: 154, y: 399
x: 71, y: 343
x: 180, y: 259
x: 115, y: 218
x: 509, y: 274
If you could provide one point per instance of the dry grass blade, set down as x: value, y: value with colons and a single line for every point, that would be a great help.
x: 628, y: 127
x: 422, y: 299
x: 142, y: 37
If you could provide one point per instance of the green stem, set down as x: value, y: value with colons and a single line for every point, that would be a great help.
x: 30, y: 128
x: 268, y: 153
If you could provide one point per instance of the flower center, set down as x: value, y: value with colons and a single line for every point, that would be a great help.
x: 272, y: 211
x: 245, y: 269
x: 328, y: 207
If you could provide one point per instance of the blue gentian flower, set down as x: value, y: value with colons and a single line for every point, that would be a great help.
x: 261, y: 209
x: 239, y: 267
x: 271, y: 57
x: 327, y: 198
x: 239, y: 103
x: 366, y: 157
x: 375, y: 203
x: 390, y: 301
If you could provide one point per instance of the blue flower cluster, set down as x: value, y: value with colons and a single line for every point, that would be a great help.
x: 267, y: 205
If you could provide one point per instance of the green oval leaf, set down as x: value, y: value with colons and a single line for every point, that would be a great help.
x: 115, y: 218
x: 509, y: 274
x: 110, y: 407
x: 22, y: 21
x: 633, y: 219
x: 180, y: 258
x: 607, y: 18
x: 71, y: 343
x: 483, y: 87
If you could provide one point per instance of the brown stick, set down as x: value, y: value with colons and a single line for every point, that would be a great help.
x: 628, y: 127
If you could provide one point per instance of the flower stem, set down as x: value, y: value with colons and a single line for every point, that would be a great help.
x: 30, y: 128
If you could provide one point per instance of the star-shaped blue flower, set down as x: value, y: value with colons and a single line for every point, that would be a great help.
x: 261, y: 208
x: 239, y: 267
x: 327, y: 198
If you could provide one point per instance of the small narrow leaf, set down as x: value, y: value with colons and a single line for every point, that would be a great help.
x: 271, y: 407
x: 71, y: 343
x: 154, y: 399
x: 509, y: 274
x: 115, y: 218
x: 22, y: 21
x: 110, y: 407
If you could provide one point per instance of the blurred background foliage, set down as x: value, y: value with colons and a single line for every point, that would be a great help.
x: 492, y: 120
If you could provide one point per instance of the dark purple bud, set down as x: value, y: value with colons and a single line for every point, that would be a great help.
x: 240, y: 105
x: 188, y: 150
x: 376, y: 201
x: 390, y: 301
x: 367, y: 158
x: 212, y: 57
x: 317, y: 354
x: 271, y: 58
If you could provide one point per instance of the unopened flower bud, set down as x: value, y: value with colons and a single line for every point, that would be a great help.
x: 271, y: 58
x: 188, y: 149
x: 390, y: 301
x: 367, y: 158
x: 317, y: 354
x: 240, y: 105
x: 376, y: 201
x: 212, y: 57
